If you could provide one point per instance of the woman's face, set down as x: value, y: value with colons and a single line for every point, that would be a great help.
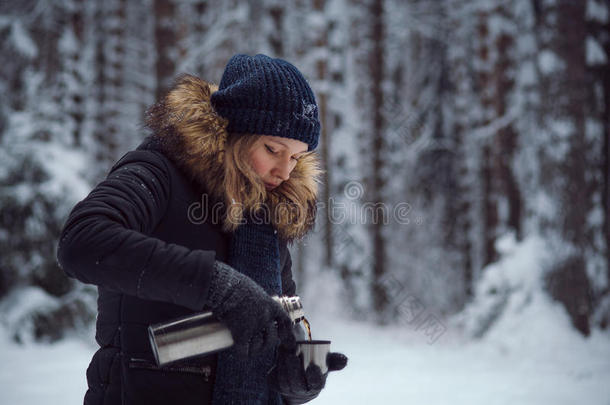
x: 273, y: 158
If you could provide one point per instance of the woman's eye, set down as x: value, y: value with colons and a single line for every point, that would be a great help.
x: 269, y: 149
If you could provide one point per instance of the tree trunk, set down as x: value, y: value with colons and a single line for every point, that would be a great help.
x: 165, y: 41
x: 601, y: 31
x: 490, y: 215
x: 506, y: 140
x: 577, y: 187
x: 376, y: 65
x: 497, y: 85
x: 321, y: 77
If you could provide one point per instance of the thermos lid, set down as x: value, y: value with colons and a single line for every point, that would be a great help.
x: 292, y: 306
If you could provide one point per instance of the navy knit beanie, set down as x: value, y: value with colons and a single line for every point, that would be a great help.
x: 265, y: 96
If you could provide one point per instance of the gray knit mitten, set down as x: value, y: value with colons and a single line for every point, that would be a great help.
x: 257, y: 323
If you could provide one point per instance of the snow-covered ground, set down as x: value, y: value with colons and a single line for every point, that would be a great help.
x: 43, y: 374
x: 390, y: 366
x: 386, y: 365
x: 529, y: 353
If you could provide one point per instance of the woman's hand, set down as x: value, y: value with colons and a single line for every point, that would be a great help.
x: 297, y: 385
x: 257, y: 323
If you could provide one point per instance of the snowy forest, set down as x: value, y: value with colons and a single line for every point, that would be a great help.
x: 465, y: 146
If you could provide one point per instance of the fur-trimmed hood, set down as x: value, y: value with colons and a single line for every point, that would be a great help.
x: 194, y: 137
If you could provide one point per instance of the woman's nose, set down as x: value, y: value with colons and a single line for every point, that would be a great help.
x: 282, y: 170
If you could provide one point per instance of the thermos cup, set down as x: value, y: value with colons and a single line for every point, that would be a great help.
x: 202, y: 333
x: 314, y: 352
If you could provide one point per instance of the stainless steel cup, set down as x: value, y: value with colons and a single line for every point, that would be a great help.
x: 202, y: 333
x: 314, y: 351
x: 188, y: 337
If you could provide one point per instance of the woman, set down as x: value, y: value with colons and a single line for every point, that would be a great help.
x: 198, y: 218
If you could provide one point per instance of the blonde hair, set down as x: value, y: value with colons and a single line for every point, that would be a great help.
x: 244, y: 190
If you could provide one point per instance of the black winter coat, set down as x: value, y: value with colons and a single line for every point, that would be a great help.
x: 132, y: 238
x: 135, y: 238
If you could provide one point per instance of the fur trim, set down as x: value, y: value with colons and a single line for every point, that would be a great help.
x: 194, y: 137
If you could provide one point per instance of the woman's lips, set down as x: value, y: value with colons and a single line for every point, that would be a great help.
x: 270, y: 186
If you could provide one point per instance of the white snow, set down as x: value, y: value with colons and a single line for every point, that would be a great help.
x: 549, y: 62
x: 66, y: 167
x: 595, y: 52
x: 386, y: 365
x: 22, y: 41
x: 527, y: 74
x: 68, y: 42
x: 529, y: 355
x: 597, y: 11
x: 20, y: 302
x: 43, y: 374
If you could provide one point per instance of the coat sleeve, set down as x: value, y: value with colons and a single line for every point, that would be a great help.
x: 105, y: 239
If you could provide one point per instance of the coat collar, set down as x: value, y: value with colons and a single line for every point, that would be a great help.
x: 194, y: 136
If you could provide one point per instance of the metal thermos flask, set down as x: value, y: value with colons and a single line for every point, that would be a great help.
x: 202, y: 333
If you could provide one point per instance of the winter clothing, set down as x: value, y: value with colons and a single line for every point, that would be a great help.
x: 242, y: 377
x: 149, y: 238
x: 236, y: 299
x: 261, y: 95
x: 296, y: 385
x: 193, y: 132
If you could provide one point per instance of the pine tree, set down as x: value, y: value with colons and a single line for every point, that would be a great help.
x: 40, y: 173
x: 598, y: 132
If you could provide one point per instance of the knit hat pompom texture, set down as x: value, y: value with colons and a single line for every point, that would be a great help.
x: 266, y: 96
